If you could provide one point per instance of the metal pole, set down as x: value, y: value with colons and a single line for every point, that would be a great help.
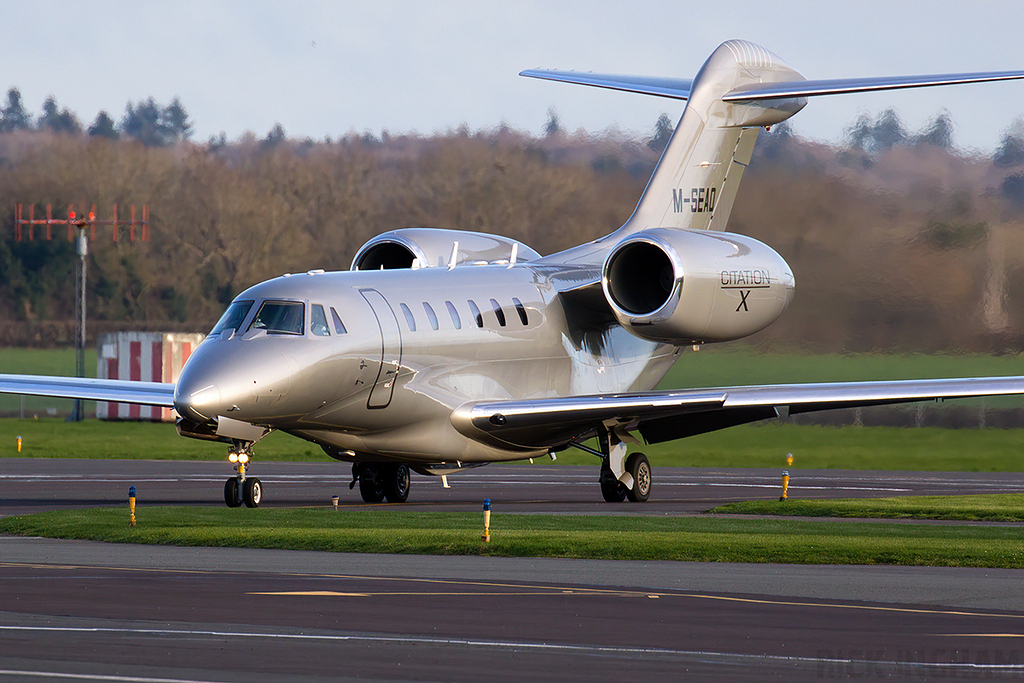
x: 83, y: 250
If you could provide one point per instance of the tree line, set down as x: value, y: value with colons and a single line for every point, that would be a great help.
x: 146, y: 121
x: 897, y: 241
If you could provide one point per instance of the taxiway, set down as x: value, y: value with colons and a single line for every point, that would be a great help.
x: 72, y: 610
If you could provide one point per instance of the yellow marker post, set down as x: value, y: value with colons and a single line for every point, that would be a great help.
x: 789, y: 459
x: 335, y: 499
x: 785, y: 484
x: 19, y: 443
x: 487, y: 521
x: 131, y: 505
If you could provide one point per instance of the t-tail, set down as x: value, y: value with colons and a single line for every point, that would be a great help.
x: 695, y: 183
x: 671, y: 273
x: 740, y: 89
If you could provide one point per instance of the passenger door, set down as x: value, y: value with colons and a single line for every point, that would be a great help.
x: 391, y: 349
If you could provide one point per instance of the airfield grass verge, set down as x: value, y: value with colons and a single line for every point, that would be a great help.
x: 380, y: 530
x: 1003, y: 507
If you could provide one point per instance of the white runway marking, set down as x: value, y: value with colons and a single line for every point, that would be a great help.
x: 940, y: 668
x: 96, y: 677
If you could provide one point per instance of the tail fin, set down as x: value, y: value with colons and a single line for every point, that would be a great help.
x: 740, y: 88
x: 695, y: 183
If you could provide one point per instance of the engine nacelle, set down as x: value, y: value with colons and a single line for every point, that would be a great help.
x: 689, y: 286
x: 431, y: 247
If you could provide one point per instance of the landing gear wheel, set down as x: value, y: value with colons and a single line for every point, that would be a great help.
x: 253, y: 492
x: 396, y: 483
x: 640, y: 468
x: 231, y: 496
x: 371, y: 484
x: 613, y: 490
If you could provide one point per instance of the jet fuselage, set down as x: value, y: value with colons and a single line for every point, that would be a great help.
x: 374, y: 362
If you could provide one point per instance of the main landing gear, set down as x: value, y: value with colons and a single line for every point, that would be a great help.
x: 622, y: 477
x: 241, y: 489
x: 378, y: 481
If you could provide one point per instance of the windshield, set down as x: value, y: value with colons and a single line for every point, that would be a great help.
x: 233, y: 317
x: 280, y: 317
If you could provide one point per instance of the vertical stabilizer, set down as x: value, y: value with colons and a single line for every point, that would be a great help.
x: 696, y: 180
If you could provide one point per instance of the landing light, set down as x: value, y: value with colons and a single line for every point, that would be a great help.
x: 243, y: 458
x: 232, y: 457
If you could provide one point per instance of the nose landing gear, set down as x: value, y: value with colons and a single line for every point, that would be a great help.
x: 241, y: 489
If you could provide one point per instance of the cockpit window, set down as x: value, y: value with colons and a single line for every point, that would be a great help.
x: 279, y: 317
x: 318, y: 323
x: 233, y: 317
x: 339, y: 326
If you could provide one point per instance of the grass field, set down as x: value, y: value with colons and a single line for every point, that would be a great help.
x: 42, y: 362
x: 989, y: 508
x: 730, y: 365
x: 382, y: 530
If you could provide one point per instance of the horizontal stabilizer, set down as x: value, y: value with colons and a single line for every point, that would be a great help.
x: 676, y: 88
x: 839, y: 86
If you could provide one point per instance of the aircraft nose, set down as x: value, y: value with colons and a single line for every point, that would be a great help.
x: 197, y: 401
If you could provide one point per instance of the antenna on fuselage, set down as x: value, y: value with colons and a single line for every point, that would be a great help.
x: 455, y: 254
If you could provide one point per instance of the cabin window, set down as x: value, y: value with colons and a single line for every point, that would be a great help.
x: 456, y: 320
x: 477, y: 317
x: 521, y: 310
x: 318, y: 321
x: 233, y: 317
x: 409, y: 320
x: 499, y: 314
x: 431, y: 317
x: 280, y: 317
x: 339, y: 326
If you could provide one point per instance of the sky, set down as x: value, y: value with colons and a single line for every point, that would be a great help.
x: 328, y: 68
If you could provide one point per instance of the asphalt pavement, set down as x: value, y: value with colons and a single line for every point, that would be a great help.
x: 73, y: 610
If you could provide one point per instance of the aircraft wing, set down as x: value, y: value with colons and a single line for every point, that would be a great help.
x: 117, y: 391
x: 666, y: 415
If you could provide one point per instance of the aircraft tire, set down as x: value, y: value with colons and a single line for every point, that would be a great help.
x: 396, y: 483
x: 231, y: 496
x: 252, y: 492
x: 639, y: 467
x: 613, y: 490
x: 371, y: 484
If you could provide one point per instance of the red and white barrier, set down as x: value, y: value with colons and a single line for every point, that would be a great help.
x: 142, y: 357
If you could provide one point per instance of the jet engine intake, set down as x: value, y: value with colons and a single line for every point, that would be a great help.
x: 695, y: 286
x: 438, y: 247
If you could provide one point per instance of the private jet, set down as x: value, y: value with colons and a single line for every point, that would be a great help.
x: 442, y: 350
